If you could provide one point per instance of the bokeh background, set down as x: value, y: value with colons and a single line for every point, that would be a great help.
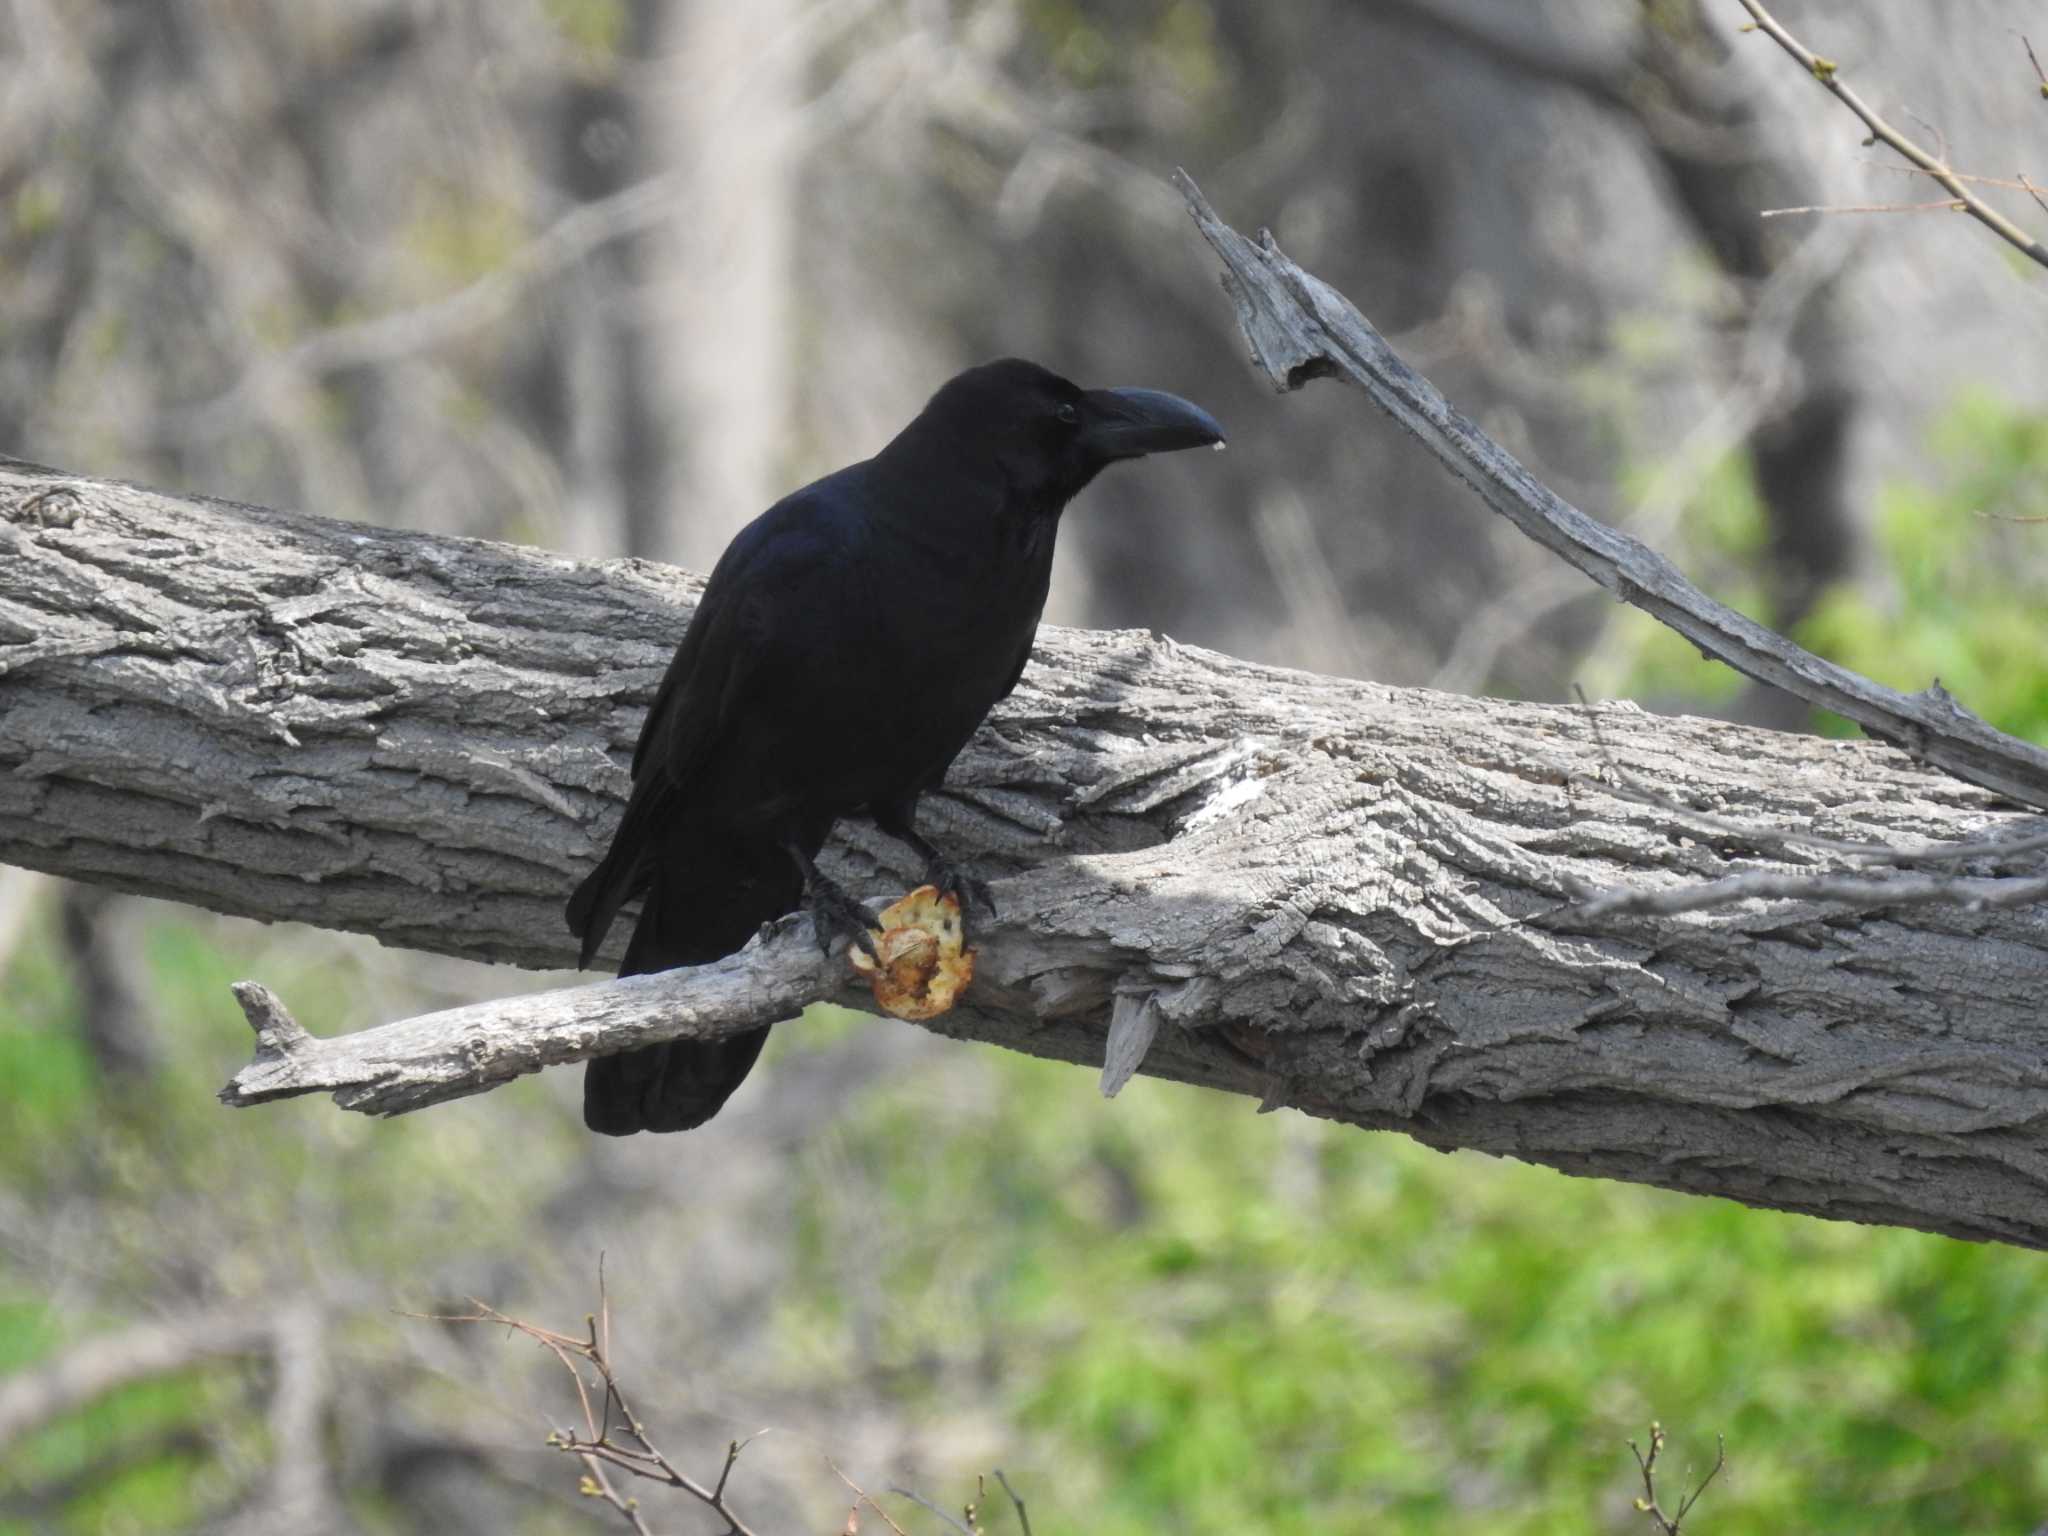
x: 608, y: 276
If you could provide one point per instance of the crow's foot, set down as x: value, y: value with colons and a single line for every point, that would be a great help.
x: 949, y: 879
x: 836, y: 915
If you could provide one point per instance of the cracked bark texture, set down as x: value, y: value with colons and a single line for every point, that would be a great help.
x: 1340, y: 897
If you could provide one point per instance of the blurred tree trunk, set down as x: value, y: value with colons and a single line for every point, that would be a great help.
x: 718, y: 287
x: 592, y: 389
x: 113, y: 1016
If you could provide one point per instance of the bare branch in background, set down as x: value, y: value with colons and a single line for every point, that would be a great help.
x: 862, y: 1496
x: 298, y: 1494
x: 39, y: 1395
x: 1933, y: 163
x: 1944, y: 205
x: 407, y: 332
x: 613, y: 1437
x: 1301, y: 329
x: 2040, y: 74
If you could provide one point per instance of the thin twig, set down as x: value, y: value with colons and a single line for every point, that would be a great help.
x: 2012, y: 517
x: 2034, y: 59
x: 862, y: 1496
x: 920, y: 1499
x: 1945, y: 205
x: 1935, y: 165
x: 1974, y: 178
x: 1647, y: 1465
x: 595, y: 1448
x: 1023, y: 1520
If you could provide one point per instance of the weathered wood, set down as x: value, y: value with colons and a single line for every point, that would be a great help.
x: 1300, y: 328
x: 462, y: 1051
x: 1342, y: 897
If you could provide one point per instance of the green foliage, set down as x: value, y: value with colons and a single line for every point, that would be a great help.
x: 37, y: 205
x: 458, y: 236
x: 1201, y: 1320
x: 595, y: 28
x: 1725, y: 536
x: 1170, y: 44
x: 1965, y: 577
x: 1166, y: 1313
x: 1956, y: 598
x: 144, y: 1199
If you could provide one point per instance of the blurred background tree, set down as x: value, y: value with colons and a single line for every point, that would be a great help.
x: 608, y: 275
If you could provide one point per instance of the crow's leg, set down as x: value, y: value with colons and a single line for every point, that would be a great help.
x: 834, y: 913
x: 898, y: 818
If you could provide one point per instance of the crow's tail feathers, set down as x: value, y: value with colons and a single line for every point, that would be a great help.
x: 593, y: 905
x: 674, y: 1086
x: 707, y: 895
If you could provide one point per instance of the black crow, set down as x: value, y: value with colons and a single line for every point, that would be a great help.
x: 848, y: 644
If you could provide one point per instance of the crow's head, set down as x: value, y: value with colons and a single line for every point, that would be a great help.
x: 1046, y: 437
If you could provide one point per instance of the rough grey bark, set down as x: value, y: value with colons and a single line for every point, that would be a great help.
x: 1346, y: 898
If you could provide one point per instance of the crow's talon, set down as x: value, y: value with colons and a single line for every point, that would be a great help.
x: 969, y: 891
x: 837, y: 915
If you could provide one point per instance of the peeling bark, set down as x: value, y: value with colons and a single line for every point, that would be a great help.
x: 1350, y: 899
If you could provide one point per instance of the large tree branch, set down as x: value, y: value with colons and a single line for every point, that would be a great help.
x: 1358, y: 901
x: 1348, y: 898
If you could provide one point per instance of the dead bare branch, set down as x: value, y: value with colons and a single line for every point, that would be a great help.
x: 613, y: 1437
x: 1023, y: 1520
x: 1301, y: 329
x: 461, y: 1051
x: 862, y: 1496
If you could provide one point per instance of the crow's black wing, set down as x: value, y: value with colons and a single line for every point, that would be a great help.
x: 761, y: 577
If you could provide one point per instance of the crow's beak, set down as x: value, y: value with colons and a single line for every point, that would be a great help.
x: 1126, y: 423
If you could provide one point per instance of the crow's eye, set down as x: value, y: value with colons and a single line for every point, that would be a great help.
x: 1068, y: 413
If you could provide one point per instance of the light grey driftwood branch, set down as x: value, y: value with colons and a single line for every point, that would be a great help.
x: 1345, y: 898
x: 1300, y: 329
x: 460, y: 1051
